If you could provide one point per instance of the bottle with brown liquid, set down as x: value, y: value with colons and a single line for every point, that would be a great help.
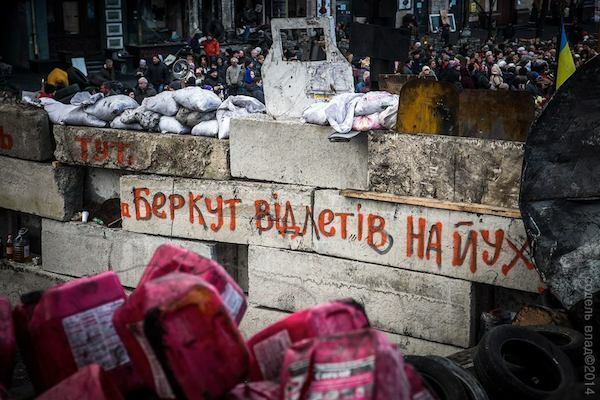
x: 22, y: 251
x: 10, y: 250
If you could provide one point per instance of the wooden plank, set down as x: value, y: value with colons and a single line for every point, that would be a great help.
x: 433, y: 203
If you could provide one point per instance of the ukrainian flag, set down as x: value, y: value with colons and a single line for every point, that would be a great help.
x: 566, y: 65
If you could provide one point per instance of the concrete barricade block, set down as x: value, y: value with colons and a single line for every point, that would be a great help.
x: 452, y: 168
x: 296, y: 153
x: 46, y: 190
x: 164, y: 154
x: 101, y: 184
x: 475, y: 247
x: 408, y: 303
x: 222, y: 211
x: 77, y: 249
x: 25, y: 133
x: 17, y: 279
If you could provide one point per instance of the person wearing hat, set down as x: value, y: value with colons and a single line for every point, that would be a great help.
x: 427, y: 73
x: 212, y: 80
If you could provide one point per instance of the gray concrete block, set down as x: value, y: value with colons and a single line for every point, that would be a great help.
x: 408, y: 303
x: 47, y: 190
x: 220, y: 211
x: 297, y: 153
x: 164, y: 154
x: 25, y: 133
x: 480, y: 248
x: 77, y: 249
x: 459, y: 169
x: 257, y: 318
x: 101, y: 184
x: 17, y: 279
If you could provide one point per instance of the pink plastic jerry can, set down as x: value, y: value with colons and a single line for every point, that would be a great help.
x: 89, y: 383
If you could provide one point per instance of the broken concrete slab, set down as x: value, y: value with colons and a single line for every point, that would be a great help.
x: 475, y: 247
x: 25, y: 133
x: 291, y: 86
x: 101, y: 184
x: 94, y: 249
x: 17, y: 279
x: 222, y: 211
x: 258, y: 318
x: 164, y: 154
x: 449, y: 168
x: 47, y: 190
x: 408, y: 303
x: 296, y: 153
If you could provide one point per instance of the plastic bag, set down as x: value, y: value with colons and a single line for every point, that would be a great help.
x: 340, y: 112
x: 366, y: 123
x: 374, y: 102
x: 85, y: 98
x: 77, y: 116
x: 192, y: 118
x: 67, y: 114
x: 197, y: 99
x: 118, y: 123
x: 108, y: 108
x: 163, y: 103
x: 206, y: 128
x: 171, y: 125
x: 388, y: 118
x: 315, y: 114
x: 236, y: 106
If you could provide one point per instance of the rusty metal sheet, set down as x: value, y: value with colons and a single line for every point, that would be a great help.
x: 490, y: 114
x: 428, y: 107
x: 393, y: 83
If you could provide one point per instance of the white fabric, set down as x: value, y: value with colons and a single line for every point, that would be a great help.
x: 374, y: 102
x: 171, y: 125
x: 197, y: 99
x: 388, y: 118
x: 206, y: 128
x: 315, y: 114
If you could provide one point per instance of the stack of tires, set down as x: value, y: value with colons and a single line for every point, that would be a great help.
x: 512, y: 363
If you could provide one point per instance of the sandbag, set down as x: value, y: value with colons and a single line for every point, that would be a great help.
x: 191, y: 118
x: 163, y: 103
x: 77, y: 116
x: 148, y: 120
x: 389, y: 117
x: 130, y: 115
x: 374, y: 102
x: 109, y: 107
x: 118, y: 123
x: 197, y: 99
x: 315, y: 114
x: 366, y: 123
x: 67, y: 114
x: 85, y: 98
x: 340, y: 112
x: 206, y: 128
x: 171, y: 125
x: 236, y: 106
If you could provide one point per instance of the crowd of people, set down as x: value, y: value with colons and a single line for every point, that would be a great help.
x: 525, y: 65
x: 228, y: 73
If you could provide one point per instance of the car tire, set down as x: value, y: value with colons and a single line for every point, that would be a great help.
x: 568, y: 340
x: 474, y: 389
x: 439, y: 380
x: 544, y: 368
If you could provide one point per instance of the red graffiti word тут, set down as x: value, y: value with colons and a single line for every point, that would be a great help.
x: 101, y: 151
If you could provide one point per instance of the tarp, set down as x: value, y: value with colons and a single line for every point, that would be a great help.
x: 560, y: 188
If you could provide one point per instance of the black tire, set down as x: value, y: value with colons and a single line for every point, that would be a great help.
x: 543, y: 369
x: 440, y: 381
x: 474, y: 389
x: 66, y: 92
x: 568, y: 340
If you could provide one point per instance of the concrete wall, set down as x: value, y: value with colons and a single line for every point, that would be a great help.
x: 296, y: 153
x: 101, y: 184
x: 17, y: 279
x: 25, y: 133
x: 47, y: 190
x: 166, y: 154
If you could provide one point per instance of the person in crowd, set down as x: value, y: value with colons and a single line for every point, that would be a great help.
x: 260, y: 60
x: 129, y: 92
x: 364, y: 83
x: 58, y: 78
x: 213, y: 81
x: 253, y: 86
x: 142, y: 69
x: 496, y: 79
x: 212, y: 48
x: 157, y: 74
x: 175, y: 85
x: 106, y: 73
x: 143, y: 89
x: 233, y: 77
x: 48, y: 91
x: 427, y: 73
x: 191, y: 62
x: 221, y: 69
x: 105, y: 89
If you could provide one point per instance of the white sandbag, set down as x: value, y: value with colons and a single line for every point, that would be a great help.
x: 85, y: 98
x: 364, y: 123
x: 163, y: 103
x: 197, y: 99
x: 78, y: 117
x: 118, y: 123
x: 130, y: 116
x: 340, y: 112
x: 109, y: 107
x: 315, y: 114
x: 374, y: 102
x: 171, y: 125
x: 56, y: 110
x: 235, y: 106
x: 388, y: 118
x: 206, y: 128
x: 149, y: 120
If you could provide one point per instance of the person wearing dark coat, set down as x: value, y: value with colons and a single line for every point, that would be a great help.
x: 107, y: 73
x: 157, y: 74
x: 143, y: 90
x: 213, y: 80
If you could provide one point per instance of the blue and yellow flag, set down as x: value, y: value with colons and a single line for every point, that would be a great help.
x: 566, y: 65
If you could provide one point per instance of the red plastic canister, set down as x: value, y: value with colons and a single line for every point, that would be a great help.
x: 182, y: 339
x: 8, y: 344
x: 70, y: 326
x: 168, y: 258
x: 268, y: 346
x: 357, y: 365
x: 89, y: 383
